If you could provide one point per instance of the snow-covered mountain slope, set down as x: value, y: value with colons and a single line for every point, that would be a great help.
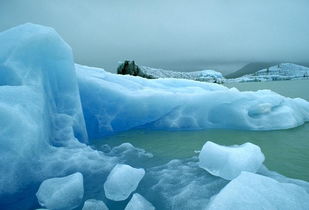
x: 284, y: 71
x: 204, y: 75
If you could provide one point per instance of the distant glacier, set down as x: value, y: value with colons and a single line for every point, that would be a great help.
x: 282, y: 71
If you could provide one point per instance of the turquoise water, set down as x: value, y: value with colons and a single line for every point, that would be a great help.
x: 286, y: 151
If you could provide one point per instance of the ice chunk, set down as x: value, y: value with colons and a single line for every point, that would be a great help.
x: 252, y: 191
x: 114, y: 103
x: 93, y: 204
x: 229, y: 161
x: 122, y: 181
x: 61, y: 193
x: 139, y: 202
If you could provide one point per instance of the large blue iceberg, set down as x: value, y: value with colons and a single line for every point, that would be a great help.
x: 49, y: 106
x: 113, y: 103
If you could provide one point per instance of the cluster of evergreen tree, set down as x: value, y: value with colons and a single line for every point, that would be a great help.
x: 129, y: 67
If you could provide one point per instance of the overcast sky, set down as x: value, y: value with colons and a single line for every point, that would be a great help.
x: 174, y: 34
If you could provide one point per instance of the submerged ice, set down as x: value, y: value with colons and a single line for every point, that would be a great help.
x: 93, y: 204
x: 139, y: 202
x: 49, y: 107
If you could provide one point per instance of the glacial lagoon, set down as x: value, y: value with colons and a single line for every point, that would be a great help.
x: 286, y: 151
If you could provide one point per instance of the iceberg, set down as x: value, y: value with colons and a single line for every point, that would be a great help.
x: 114, y: 103
x: 39, y: 106
x: 252, y: 191
x: 42, y: 124
x: 122, y: 181
x: 229, y: 162
x: 51, y: 108
x: 139, y: 202
x: 93, y: 204
x: 61, y: 193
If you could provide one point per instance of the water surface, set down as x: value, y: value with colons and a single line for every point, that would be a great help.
x: 286, y: 151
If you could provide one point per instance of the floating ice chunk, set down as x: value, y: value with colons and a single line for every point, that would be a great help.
x: 122, y: 181
x: 61, y: 193
x: 252, y: 191
x: 229, y: 162
x: 93, y: 204
x: 139, y: 202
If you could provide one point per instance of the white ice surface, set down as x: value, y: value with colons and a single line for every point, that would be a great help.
x: 229, y: 161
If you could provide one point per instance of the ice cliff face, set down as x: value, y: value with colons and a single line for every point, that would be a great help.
x: 41, y: 119
x: 44, y: 107
x: 40, y: 107
x: 283, y: 71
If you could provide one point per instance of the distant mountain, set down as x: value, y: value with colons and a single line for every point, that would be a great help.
x: 249, y: 69
x: 254, y: 67
x: 283, y: 71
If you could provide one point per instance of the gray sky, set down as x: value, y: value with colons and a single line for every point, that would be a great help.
x: 173, y: 34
